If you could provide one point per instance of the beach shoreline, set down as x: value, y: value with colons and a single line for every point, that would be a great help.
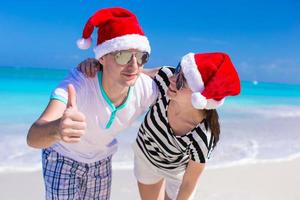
x: 259, y: 181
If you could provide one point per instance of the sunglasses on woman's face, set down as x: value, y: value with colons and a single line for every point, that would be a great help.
x: 124, y: 57
x: 179, y: 77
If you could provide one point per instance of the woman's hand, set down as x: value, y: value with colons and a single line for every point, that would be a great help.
x: 89, y: 67
x: 190, y: 179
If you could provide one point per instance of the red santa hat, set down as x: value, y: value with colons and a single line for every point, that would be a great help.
x: 211, y: 77
x: 118, y: 29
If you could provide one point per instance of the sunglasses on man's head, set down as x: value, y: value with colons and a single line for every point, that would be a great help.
x: 124, y: 57
x: 179, y: 77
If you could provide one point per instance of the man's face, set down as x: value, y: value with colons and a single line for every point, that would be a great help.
x: 124, y: 75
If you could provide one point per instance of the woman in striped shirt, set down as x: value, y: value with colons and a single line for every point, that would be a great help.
x: 181, y: 127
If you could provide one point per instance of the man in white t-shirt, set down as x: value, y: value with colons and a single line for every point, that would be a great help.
x: 78, y: 128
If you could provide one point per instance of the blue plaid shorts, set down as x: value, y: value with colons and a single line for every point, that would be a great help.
x: 68, y: 179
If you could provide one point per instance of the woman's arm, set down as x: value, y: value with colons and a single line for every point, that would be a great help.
x: 151, y: 72
x: 190, y: 179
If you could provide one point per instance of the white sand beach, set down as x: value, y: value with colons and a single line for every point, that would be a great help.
x: 262, y: 181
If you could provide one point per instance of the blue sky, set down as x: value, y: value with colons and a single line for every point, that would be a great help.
x: 262, y: 37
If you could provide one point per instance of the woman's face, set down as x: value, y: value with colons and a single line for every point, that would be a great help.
x: 179, y: 90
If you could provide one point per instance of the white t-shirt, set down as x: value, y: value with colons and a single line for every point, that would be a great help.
x: 104, y: 121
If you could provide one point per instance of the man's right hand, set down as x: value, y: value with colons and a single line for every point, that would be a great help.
x: 72, y: 124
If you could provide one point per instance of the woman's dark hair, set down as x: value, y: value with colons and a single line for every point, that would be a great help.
x: 212, y: 118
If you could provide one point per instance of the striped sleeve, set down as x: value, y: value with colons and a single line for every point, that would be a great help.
x: 162, y: 78
x: 201, y: 144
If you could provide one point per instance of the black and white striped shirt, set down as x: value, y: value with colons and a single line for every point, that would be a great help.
x: 157, y: 141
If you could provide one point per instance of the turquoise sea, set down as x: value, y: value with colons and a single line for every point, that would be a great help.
x: 262, y: 124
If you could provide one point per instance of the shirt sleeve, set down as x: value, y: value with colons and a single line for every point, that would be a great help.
x: 162, y: 79
x: 164, y: 73
x: 201, y: 145
x: 76, y: 78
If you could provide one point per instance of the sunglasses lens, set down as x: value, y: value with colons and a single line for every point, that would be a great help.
x: 123, y: 57
x: 179, y: 82
x: 178, y: 69
x: 142, y: 57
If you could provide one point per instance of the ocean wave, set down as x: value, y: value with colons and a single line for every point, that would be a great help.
x: 251, y: 161
x: 270, y: 112
x: 129, y: 165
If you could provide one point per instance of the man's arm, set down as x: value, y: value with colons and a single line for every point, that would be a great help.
x: 45, y: 131
x: 58, y: 122
x: 190, y: 179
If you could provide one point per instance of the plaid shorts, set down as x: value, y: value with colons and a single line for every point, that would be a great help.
x: 68, y: 179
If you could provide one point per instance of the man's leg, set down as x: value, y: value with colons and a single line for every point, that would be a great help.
x: 98, y: 180
x: 60, y: 176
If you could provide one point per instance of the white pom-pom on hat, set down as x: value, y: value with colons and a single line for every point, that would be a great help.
x: 198, y: 100
x: 213, y: 104
x: 84, y: 43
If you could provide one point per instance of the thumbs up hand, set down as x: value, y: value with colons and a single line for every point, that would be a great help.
x: 71, y: 97
x: 72, y: 124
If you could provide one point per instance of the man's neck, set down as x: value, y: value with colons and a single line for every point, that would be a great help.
x: 116, y: 93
